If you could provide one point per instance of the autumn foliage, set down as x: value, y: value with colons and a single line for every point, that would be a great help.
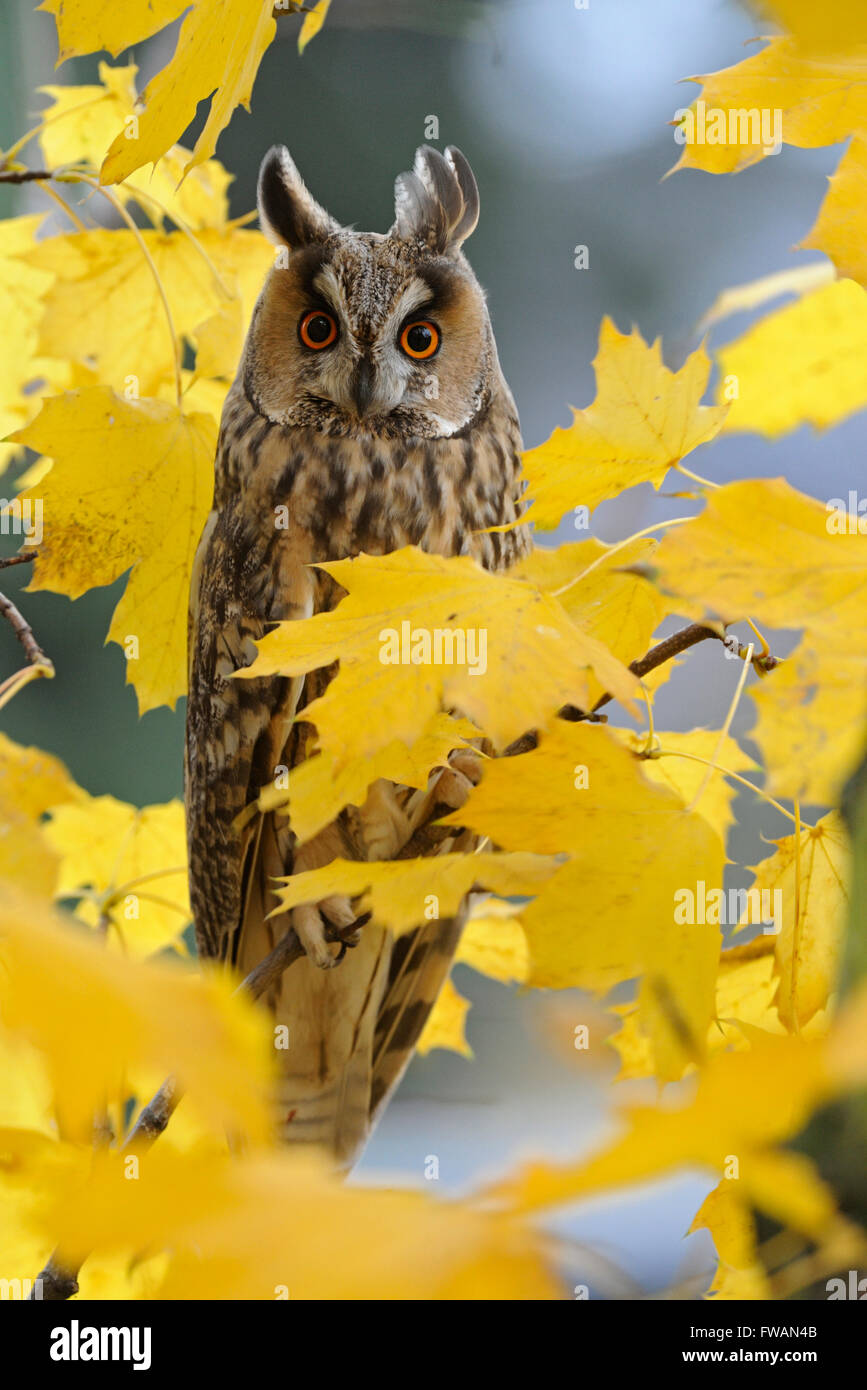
x: 119, y: 345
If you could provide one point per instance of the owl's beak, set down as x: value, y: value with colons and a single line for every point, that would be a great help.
x: 362, y: 386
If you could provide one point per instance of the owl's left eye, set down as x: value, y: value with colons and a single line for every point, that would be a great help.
x: 317, y: 329
x: 420, y: 339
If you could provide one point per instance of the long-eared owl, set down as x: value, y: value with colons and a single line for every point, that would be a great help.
x: 370, y: 410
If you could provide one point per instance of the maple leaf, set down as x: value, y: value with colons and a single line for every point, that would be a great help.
x: 838, y: 25
x: 316, y: 792
x: 732, y: 1227
x: 80, y: 124
x: 754, y: 293
x: 130, y: 489
x: 247, y: 1226
x: 763, y: 548
x: 446, y: 1023
x: 127, y: 863
x: 645, y: 419
x: 403, y: 893
x: 632, y: 846
x: 813, y: 919
x: 593, y: 583
x: 802, y: 364
x: 219, y: 49
x: 822, y: 99
x: 313, y: 22
x: 535, y: 659
x: 680, y: 763
x: 85, y: 26
x: 22, y: 291
x: 746, y: 989
x: 122, y: 1014
x: 841, y: 227
x: 32, y: 780
x: 104, y: 309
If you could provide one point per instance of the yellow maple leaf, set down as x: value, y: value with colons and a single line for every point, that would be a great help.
x: 803, y: 364
x: 746, y: 988
x: 313, y: 22
x: 22, y: 292
x: 755, y: 293
x: 494, y: 942
x: 730, y: 1222
x: 131, y: 486
x: 404, y: 893
x: 446, y: 1024
x: 274, y: 1225
x: 85, y: 26
x: 841, y: 227
x: 683, y: 766
x: 645, y: 419
x: 523, y: 658
x: 632, y: 848
x: 126, y: 864
x: 219, y: 49
x: 104, y: 308
x: 812, y: 922
x: 813, y: 713
x: 125, y: 1014
x: 315, y: 792
x: 616, y: 607
x: 32, y: 780
x: 833, y: 27
x: 763, y: 548
x: 782, y: 94
x: 81, y: 123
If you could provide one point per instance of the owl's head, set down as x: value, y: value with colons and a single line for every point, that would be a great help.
x: 370, y: 334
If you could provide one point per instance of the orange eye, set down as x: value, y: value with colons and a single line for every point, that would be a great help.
x: 317, y: 330
x: 420, y: 339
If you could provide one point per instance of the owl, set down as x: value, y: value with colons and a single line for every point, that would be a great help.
x: 369, y: 412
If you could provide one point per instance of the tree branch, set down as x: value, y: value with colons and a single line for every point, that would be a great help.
x: 24, y: 633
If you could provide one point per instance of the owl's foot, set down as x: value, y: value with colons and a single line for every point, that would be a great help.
x: 322, y: 926
x: 457, y: 780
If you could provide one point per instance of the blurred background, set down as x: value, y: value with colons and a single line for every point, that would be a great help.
x: 563, y: 113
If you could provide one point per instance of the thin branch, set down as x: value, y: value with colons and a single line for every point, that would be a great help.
x: 24, y: 175
x: 22, y: 558
x: 664, y: 651
x: 24, y: 632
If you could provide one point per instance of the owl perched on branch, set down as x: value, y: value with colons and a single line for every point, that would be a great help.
x: 370, y: 411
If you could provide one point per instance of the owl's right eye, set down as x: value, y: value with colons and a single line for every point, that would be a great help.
x: 317, y: 330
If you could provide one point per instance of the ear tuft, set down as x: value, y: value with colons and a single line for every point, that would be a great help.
x: 438, y: 202
x: 288, y: 214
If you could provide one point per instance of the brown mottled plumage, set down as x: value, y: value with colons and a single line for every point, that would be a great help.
x: 325, y: 452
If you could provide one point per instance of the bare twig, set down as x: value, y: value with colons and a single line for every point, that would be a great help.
x: 22, y: 558
x: 24, y: 633
x: 24, y: 175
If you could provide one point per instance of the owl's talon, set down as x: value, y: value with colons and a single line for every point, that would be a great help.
x: 338, y: 910
x: 310, y: 930
x: 468, y: 762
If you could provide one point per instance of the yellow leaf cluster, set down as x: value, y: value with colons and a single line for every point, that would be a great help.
x: 645, y: 419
